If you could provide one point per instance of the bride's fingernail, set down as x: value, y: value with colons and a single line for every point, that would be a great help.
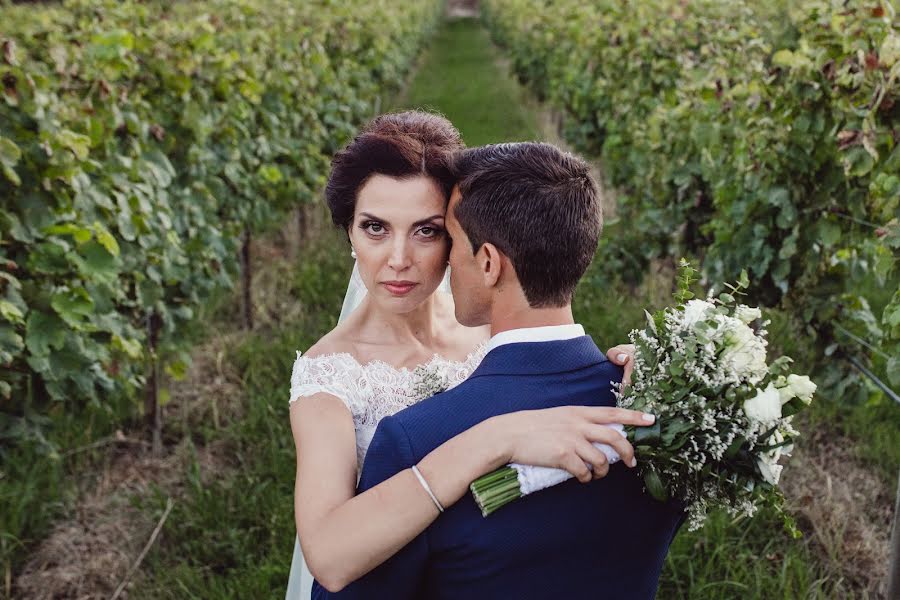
x: 633, y: 462
x: 622, y: 358
x: 649, y: 418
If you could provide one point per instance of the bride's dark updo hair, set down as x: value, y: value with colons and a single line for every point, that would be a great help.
x: 404, y: 144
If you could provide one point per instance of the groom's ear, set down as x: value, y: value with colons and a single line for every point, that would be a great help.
x: 490, y: 261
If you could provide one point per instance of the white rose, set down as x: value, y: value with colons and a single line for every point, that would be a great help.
x: 743, y: 353
x: 765, y: 406
x: 802, y: 387
x: 747, y: 314
x: 695, y: 310
x: 771, y: 470
x: 784, y: 390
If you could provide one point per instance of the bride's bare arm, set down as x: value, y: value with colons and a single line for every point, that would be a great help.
x: 383, y: 519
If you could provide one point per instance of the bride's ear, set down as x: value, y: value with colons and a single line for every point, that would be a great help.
x: 490, y: 261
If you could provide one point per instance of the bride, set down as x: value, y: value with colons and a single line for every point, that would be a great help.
x: 397, y: 334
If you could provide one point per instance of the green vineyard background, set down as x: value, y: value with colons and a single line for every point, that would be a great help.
x: 141, y: 144
x: 748, y: 135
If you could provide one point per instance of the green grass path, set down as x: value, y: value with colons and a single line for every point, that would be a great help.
x: 459, y: 76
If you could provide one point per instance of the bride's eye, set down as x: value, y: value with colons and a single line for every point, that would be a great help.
x: 372, y: 228
x: 430, y: 232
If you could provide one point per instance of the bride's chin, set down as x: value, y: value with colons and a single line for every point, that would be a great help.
x: 402, y: 304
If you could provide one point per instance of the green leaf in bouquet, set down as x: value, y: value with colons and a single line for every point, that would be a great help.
x: 780, y: 365
x: 655, y: 485
x: 650, y: 322
x: 735, y: 447
x: 792, y: 407
x: 684, y: 278
x: 647, y: 436
x: 673, y: 429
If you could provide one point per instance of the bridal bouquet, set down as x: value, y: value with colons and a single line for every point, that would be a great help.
x: 723, y: 415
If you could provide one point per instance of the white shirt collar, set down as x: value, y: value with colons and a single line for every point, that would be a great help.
x: 550, y: 333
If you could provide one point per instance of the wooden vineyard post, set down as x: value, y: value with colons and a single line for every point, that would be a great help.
x: 152, y: 412
x: 246, y: 279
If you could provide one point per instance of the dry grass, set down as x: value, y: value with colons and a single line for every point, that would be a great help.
x: 844, y: 507
x: 88, y: 553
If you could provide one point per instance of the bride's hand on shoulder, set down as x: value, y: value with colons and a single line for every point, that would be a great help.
x: 563, y: 437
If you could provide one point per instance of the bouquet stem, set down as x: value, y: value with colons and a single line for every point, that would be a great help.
x: 497, y: 489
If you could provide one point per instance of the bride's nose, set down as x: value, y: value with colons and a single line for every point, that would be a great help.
x: 400, y: 258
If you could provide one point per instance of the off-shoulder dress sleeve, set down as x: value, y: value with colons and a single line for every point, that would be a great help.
x: 336, y: 374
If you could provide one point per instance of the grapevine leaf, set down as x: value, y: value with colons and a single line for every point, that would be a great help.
x: 11, y: 312
x: 72, y: 305
x: 106, y: 238
x: 44, y: 331
x: 77, y: 143
x: 11, y: 344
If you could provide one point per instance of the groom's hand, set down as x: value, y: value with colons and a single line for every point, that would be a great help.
x: 623, y: 355
x: 563, y: 437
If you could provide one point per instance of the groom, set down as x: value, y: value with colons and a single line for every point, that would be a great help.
x: 524, y: 219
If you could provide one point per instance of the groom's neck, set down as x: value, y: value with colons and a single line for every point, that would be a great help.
x: 507, y: 316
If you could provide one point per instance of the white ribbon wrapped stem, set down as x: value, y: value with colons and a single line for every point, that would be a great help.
x: 533, y: 479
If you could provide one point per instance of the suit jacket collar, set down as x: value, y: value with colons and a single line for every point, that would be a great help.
x: 536, y: 358
x: 536, y: 334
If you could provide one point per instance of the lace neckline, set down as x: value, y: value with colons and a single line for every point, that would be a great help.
x: 435, y: 358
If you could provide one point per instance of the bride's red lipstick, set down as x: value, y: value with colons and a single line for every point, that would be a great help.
x: 399, y: 288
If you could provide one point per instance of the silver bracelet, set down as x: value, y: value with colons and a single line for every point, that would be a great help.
x: 425, y: 485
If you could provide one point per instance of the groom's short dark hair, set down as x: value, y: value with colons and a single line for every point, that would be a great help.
x: 536, y: 204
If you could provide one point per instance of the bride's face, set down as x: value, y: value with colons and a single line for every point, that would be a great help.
x: 400, y: 241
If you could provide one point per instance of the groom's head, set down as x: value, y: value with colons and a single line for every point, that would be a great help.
x: 525, y: 219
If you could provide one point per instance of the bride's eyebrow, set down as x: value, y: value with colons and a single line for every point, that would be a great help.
x: 366, y: 215
x: 430, y: 219
x: 418, y: 223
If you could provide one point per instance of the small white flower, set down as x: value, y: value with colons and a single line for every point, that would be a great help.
x: 429, y: 381
x: 747, y: 314
x: 802, y: 387
x: 765, y: 407
x: 694, y: 311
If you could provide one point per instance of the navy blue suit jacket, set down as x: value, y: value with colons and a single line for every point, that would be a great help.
x: 604, y: 539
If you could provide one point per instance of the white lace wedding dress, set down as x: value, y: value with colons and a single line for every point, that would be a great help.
x: 371, y: 391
